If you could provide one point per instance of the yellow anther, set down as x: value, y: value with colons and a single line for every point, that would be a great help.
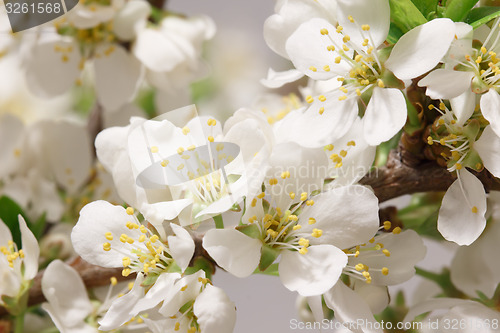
x: 317, y: 233
x: 113, y: 281
x: 309, y: 99
x: 273, y: 181
x: 330, y: 48
x: 350, y: 18
x: 185, y: 130
x: 180, y: 167
x: 297, y: 227
x: 385, y: 270
x: 130, y: 285
x: 366, y: 274
x: 321, y: 110
x: 458, y: 166
x: 396, y: 230
x: 326, y: 68
x: 154, y: 238
x: 369, y: 51
x: 285, y: 174
x: 346, y: 39
x: 474, y: 209
x: 358, y: 58
x: 211, y: 138
x: 304, y: 242
x: 130, y: 240
x: 387, y: 225
x: 365, y: 82
x: 338, y: 59
x: 329, y: 147
x: 303, y: 196
x: 106, y: 246
x: 343, y: 153
x: 303, y: 250
x: 339, y: 29
x: 260, y: 196
x: 312, y: 68
x: 143, y: 229
x: 479, y: 59
x: 342, y: 98
x: 359, y: 267
x: 142, y: 238
x: 324, y: 31
x: 254, y: 202
x: 322, y: 98
x: 310, y: 202
x: 442, y: 141
x: 386, y: 252
x: 130, y: 211
x: 356, y: 254
x: 211, y: 122
x: 292, y: 195
x: 380, y: 83
x: 164, y: 163
x: 154, y: 149
x: 21, y: 253
x: 126, y: 272
x: 483, y: 50
x: 311, y: 220
x: 351, y: 143
x: 365, y: 42
x: 177, y: 326
x: 345, y: 48
x: 109, y: 236
x: 365, y: 27
x: 338, y: 165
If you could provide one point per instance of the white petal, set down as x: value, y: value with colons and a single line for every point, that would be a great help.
x: 119, y: 312
x: 488, y: 148
x: 156, y: 51
x: 307, y: 47
x: 446, y: 83
x: 5, y: 234
x: 406, y: 250
x: 490, y: 104
x: 433, y: 304
x: 336, y: 120
x: 181, y: 246
x: 63, y: 288
x: 312, y: 273
x: 456, y: 221
x: 88, y: 236
x: 375, y: 13
x: 30, y: 249
x: 345, y: 223
x: 215, y: 311
x: 377, y: 297
x: 385, y: 115
x: 11, y: 282
x: 129, y: 18
x: 117, y: 76
x: 350, y: 308
x: 175, y: 298
x: 162, y: 290
x: 279, y: 79
x: 421, y: 48
x: 11, y: 144
x: 463, y: 106
x: 42, y: 79
x: 232, y: 250
x: 289, y: 15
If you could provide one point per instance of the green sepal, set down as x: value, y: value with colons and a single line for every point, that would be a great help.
x: 272, y: 270
x: 18, y: 304
x: 482, y: 15
x: 150, y: 280
x: 251, y: 230
x: 201, y: 263
x: 405, y: 15
x: 186, y: 306
x: 267, y: 256
x: 472, y: 129
x: 473, y: 161
x: 457, y: 10
x: 391, y: 81
x: 174, y: 268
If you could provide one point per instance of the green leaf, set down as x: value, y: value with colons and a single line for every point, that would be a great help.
x: 267, y: 256
x: 394, y: 34
x: 150, y: 280
x: 39, y: 226
x: 146, y: 101
x: 457, y: 10
x: 426, y: 7
x: 405, y: 15
x: 482, y: 15
x: 251, y: 230
x: 201, y: 263
x: 9, y: 211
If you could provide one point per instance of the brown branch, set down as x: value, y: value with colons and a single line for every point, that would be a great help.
x: 404, y: 174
